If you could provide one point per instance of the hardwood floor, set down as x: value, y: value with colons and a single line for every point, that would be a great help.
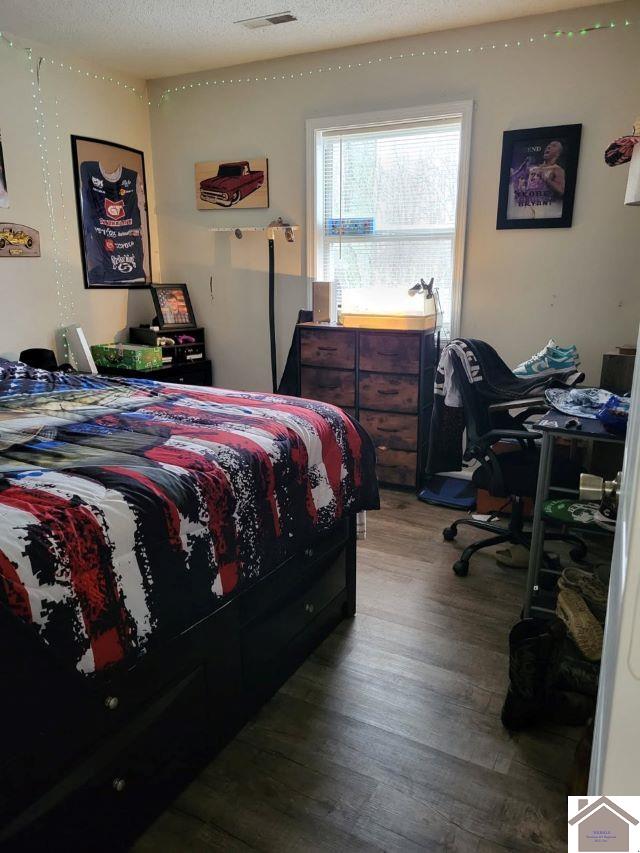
x: 389, y: 736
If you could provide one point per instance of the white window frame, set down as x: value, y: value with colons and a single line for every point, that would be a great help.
x: 316, y: 127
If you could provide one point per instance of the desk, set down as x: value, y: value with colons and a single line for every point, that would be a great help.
x: 552, y: 426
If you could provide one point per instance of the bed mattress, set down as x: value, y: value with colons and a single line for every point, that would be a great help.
x: 131, y: 509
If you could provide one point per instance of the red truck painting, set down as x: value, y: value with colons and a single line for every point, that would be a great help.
x: 233, y: 182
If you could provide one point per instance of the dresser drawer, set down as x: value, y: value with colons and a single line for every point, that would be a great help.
x: 389, y: 352
x: 390, y: 392
x: 328, y: 348
x: 396, y: 466
x: 328, y: 386
x: 397, y: 432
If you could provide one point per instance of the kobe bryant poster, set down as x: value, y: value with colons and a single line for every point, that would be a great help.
x: 113, y: 222
x: 538, y: 177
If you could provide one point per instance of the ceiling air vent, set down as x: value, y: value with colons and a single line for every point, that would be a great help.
x: 267, y: 20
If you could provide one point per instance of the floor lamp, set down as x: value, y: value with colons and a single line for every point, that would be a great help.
x: 271, y: 230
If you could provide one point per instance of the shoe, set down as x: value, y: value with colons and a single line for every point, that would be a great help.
x: 575, y: 674
x: 534, y: 655
x: 594, y: 592
x: 544, y: 365
x: 583, y: 627
x: 553, y: 346
x: 515, y: 557
x: 550, y: 359
x: 567, y: 708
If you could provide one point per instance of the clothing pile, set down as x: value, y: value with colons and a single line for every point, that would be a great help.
x: 466, y: 361
x: 551, y: 359
x: 554, y: 665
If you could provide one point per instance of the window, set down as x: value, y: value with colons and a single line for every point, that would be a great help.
x: 389, y: 202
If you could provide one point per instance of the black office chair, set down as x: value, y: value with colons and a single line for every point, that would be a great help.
x: 512, y: 475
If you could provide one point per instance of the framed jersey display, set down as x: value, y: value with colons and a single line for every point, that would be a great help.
x: 111, y: 198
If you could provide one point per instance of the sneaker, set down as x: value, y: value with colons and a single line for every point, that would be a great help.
x: 544, y: 365
x: 594, y: 592
x: 550, y: 359
x: 582, y: 626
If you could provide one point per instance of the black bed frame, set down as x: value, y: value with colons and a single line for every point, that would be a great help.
x: 87, y: 764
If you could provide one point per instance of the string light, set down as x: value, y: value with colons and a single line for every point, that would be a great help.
x: 331, y: 69
x: 353, y: 66
x: 131, y: 90
x: 68, y: 304
x: 42, y: 136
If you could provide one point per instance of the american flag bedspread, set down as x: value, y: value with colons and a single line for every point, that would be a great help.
x: 129, y: 510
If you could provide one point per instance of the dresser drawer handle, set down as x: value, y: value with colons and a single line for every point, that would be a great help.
x: 111, y: 703
x: 388, y: 393
x: 308, y: 552
x: 329, y: 387
x: 309, y: 608
x: 388, y: 429
x: 119, y: 784
x: 327, y: 349
x: 387, y: 354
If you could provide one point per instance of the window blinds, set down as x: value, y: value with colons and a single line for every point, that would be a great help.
x: 389, y: 207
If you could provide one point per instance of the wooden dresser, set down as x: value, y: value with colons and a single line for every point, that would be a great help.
x: 382, y: 378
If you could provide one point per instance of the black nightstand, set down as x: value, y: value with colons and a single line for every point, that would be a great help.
x: 190, y: 373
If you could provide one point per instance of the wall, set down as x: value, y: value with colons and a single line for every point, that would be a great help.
x: 32, y: 309
x: 579, y: 284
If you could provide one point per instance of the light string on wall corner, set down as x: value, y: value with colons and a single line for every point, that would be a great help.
x: 65, y: 303
x: 122, y: 85
x: 487, y: 48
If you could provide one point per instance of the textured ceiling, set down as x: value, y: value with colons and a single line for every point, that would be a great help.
x: 160, y: 38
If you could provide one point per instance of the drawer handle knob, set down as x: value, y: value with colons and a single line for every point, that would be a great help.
x: 309, y: 608
x: 119, y: 784
x: 327, y: 349
x: 329, y: 387
x: 387, y: 354
x: 388, y: 393
x: 111, y: 703
x: 308, y: 552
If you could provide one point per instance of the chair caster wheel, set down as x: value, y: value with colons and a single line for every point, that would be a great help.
x: 578, y: 553
x: 449, y: 534
x: 461, y: 568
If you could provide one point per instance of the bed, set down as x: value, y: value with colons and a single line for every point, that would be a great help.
x: 168, y: 556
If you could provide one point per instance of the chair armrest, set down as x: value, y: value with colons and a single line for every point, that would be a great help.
x: 483, y: 442
x: 495, y: 435
x: 526, y: 403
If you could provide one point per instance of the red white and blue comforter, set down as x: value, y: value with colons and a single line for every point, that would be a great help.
x: 129, y: 510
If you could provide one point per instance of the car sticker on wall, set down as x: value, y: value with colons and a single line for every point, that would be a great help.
x: 18, y: 241
x: 232, y: 183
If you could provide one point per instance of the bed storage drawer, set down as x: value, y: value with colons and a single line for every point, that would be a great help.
x: 266, y: 639
x: 132, y: 775
x: 328, y: 350
x: 329, y: 386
